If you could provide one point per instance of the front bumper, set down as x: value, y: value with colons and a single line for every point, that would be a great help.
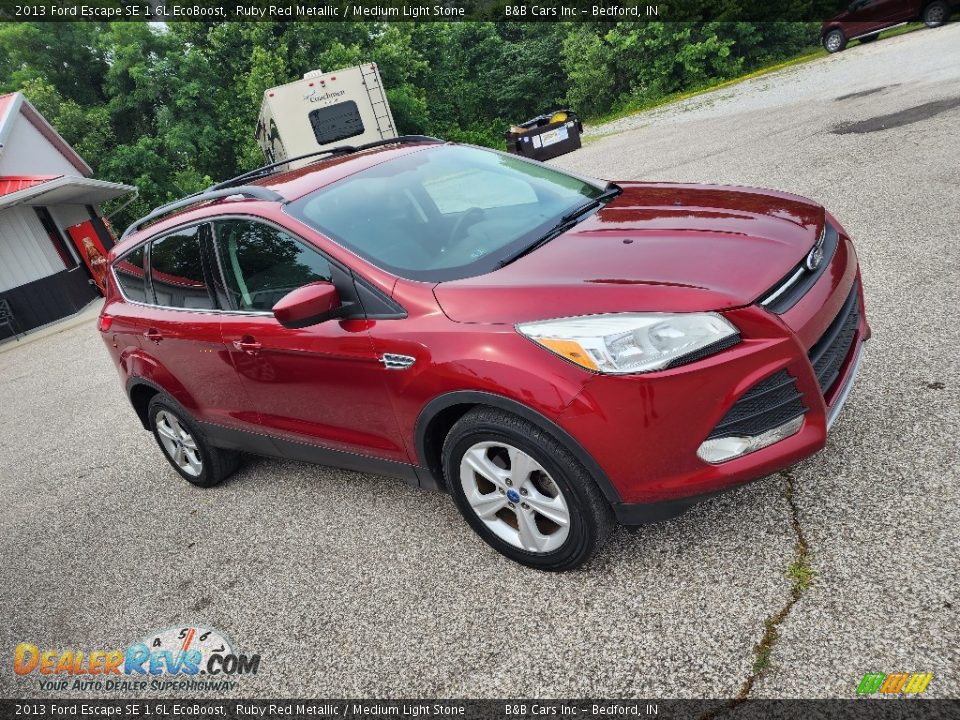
x: 650, y: 512
x: 645, y: 430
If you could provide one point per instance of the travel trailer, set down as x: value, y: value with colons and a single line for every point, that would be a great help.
x: 324, y: 110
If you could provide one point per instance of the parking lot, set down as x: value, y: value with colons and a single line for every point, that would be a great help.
x: 356, y: 585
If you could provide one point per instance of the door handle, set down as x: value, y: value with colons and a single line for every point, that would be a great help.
x: 247, y: 345
x: 154, y: 335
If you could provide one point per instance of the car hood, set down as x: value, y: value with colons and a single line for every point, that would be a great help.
x: 654, y: 248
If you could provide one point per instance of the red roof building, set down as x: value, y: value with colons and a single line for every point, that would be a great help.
x: 49, y: 220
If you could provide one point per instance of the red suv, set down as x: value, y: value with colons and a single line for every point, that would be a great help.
x: 556, y: 352
x: 864, y: 20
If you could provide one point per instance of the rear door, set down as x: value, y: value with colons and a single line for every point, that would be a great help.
x: 321, y: 385
x: 181, y: 329
x: 867, y: 16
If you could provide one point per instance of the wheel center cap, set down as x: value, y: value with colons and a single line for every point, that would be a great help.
x: 513, y: 496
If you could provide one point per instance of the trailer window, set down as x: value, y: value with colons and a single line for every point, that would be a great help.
x: 337, y: 122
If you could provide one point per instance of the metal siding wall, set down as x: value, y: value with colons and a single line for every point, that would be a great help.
x: 26, y: 253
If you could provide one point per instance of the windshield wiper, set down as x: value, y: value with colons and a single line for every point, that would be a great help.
x: 566, y: 222
x: 606, y: 196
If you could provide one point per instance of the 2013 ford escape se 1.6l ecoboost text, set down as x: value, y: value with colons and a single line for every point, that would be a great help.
x: 555, y: 352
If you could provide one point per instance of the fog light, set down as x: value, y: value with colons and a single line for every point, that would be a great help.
x: 722, y: 449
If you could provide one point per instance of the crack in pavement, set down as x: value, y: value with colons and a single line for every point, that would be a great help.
x: 800, y: 573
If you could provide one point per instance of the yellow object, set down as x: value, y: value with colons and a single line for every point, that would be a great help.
x: 569, y: 349
x: 558, y: 117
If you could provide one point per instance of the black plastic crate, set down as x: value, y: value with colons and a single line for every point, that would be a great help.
x: 545, y: 136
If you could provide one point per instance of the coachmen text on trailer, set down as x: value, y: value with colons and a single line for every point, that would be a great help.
x: 324, y: 110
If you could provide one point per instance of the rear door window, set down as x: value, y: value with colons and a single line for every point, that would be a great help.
x: 130, y: 274
x: 176, y: 271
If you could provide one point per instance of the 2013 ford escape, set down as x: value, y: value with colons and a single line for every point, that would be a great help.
x: 556, y: 352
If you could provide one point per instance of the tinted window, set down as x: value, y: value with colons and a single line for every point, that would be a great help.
x: 261, y: 264
x: 131, y: 276
x: 177, y: 272
x: 444, y: 212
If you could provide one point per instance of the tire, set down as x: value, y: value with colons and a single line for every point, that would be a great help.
x: 834, y: 41
x: 178, y: 435
x: 547, y: 474
x: 936, y: 14
x: 869, y: 38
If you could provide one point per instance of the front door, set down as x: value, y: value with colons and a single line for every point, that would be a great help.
x: 322, y: 385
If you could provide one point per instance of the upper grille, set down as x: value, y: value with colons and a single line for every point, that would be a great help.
x: 830, y: 351
x: 787, y: 293
x: 768, y: 404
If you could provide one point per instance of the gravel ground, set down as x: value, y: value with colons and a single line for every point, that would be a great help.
x: 356, y: 585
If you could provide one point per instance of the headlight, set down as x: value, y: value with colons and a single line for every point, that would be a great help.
x: 633, y: 342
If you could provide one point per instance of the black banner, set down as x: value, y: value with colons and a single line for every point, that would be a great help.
x: 861, y: 709
x: 423, y: 10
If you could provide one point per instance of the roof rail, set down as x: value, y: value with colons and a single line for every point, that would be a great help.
x: 231, y: 187
x: 252, y: 191
x: 339, y: 150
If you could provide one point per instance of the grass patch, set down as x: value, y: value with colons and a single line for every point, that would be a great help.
x: 811, y: 53
x: 587, y: 139
x: 801, y: 573
x: 634, y: 108
x: 763, y: 648
x: 908, y: 28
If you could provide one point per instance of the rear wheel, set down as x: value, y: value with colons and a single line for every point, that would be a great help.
x: 936, y: 13
x: 834, y: 41
x: 523, y: 491
x: 186, y: 448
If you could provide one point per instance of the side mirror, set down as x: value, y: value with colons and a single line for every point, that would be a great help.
x: 308, y: 305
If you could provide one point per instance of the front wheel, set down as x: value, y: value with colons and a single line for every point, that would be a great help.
x: 936, y: 13
x: 834, y: 41
x: 523, y: 491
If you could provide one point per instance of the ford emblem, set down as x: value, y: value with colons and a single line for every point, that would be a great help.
x: 814, y: 258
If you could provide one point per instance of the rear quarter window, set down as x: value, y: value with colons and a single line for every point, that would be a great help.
x: 131, y: 275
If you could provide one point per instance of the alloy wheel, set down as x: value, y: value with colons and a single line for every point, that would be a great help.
x: 515, y: 497
x: 178, y: 444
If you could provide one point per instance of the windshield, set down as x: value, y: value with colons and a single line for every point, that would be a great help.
x: 445, y: 213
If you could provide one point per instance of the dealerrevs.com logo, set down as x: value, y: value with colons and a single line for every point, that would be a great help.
x: 177, y: 658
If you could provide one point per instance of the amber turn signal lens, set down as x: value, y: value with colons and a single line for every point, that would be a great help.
x: 571, y: 350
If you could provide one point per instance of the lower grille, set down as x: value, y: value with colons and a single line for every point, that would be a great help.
x: 768, y: 404
x: 832, y: 349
